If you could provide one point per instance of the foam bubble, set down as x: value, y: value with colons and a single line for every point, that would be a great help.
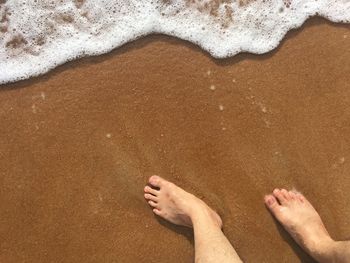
x: 36, y: 36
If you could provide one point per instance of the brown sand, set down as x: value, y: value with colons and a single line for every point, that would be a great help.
x: 78, y: 144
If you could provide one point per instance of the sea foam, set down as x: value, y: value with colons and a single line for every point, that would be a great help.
x: 38, y: 35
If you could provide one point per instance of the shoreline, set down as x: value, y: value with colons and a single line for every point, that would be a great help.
x: 148, y: 39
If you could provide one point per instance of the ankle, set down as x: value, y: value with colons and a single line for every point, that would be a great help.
x: 324, y: 250
x: 197, y: 208
x: 200, y: 213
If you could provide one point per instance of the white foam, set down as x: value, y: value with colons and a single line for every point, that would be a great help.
x: 36, y: 36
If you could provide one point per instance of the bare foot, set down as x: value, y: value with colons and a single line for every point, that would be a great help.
x: 175, y: 204
x: 302, y: 222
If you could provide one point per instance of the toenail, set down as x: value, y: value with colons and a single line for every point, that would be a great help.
x: 153, y: 180
x: 270, y: 201
x: 276, y: 190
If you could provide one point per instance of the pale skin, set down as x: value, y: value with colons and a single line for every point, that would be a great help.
x: 291, y: 209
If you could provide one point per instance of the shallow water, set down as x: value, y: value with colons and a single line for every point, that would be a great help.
x: 36, y: 36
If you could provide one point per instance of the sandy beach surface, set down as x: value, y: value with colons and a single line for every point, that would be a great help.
x: 78, y: 144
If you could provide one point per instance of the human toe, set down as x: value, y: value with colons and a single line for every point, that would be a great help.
x: 151, y: 197
x: 152, y: 203
x: 280, y: 196
x: 286, y: 194
x: 156, y: 181
x: 157, y: 211
x: 272, y: 204
x: 150, y: 190
x: 292, y: 195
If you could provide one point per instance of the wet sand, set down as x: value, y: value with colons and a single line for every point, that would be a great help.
x: 78, y: 144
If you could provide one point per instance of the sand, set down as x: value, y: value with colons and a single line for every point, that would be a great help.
x: 78, y: 144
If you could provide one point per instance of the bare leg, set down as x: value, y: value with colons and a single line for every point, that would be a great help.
x: 304, y: 224
x: 182, y: 208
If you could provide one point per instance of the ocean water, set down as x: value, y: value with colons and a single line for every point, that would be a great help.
x: 38, y: 35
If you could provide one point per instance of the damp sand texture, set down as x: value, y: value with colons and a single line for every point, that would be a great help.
x: 78, y: 144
